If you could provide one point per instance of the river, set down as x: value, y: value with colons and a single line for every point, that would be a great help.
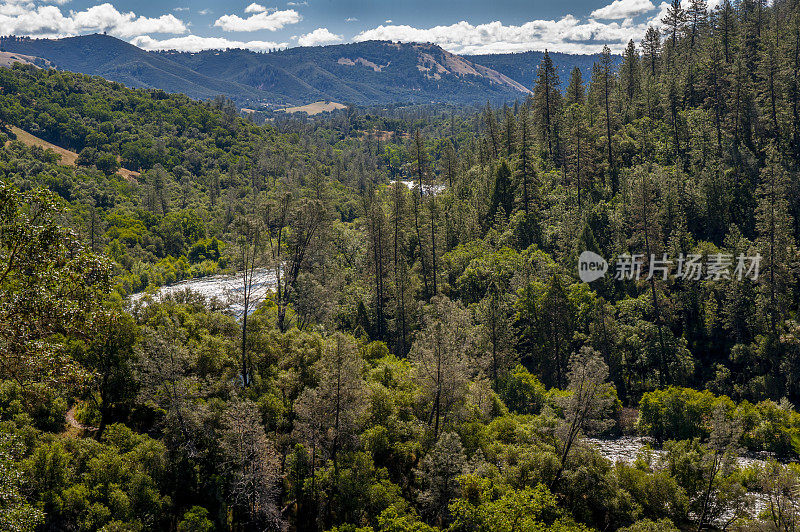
x: 228, y: 290
x: 426, y: 189
x: 627, y: 448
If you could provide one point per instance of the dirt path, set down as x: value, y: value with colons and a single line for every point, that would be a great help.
x: 69, y: 417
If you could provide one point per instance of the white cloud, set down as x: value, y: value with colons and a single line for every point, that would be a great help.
x: 12, y: 10
x: 317, y: 37
x: 297, y: 4
x: 260, y: 21
x: 205, y: 11
x: 655, y: 20
x: 105, y: 17
x: 181, y: 9
x: 389, y: 21
x: 351, y: 19
x: 255, y: 8
x: 49, y: 21
x: 195, y: 43
x: 622, y: 9
x: 567, y: 34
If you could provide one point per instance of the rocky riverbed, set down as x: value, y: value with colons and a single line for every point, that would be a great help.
x: 226, y: 290
x: 627, y: 448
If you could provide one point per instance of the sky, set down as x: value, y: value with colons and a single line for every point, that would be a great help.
x: 463, y: 27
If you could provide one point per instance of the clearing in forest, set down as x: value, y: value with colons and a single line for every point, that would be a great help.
x: 68, y: 158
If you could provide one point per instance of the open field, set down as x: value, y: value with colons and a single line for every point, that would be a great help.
x: 9, y: 58
x: 68, y: 158
x: 315, y: 108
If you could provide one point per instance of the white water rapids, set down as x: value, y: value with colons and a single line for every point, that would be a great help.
x: 228, y: 290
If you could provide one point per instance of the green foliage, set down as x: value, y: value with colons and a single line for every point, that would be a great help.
x: 420, y: 361
x: 16, y: 513
x: 682, y: 414
x: 678, y: 413
x: 486, y: 507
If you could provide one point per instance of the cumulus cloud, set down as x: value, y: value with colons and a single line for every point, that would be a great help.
x: 351, y: 19
x: 317, y: 37
x: 260, y: 21
x: 567, y: 34
x: 49, y: 21
x: 105, y: 17
x: 195, y: 43
x: 255, y: 8
x: 622, y: 9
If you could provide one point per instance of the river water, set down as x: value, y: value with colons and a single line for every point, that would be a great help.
x: 426, y: 189
x: 226, y: 290
x: 627, y: 448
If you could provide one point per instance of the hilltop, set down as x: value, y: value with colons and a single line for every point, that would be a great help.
x: 366, y: 73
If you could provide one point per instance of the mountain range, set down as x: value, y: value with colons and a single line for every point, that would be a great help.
x: 365, y: 73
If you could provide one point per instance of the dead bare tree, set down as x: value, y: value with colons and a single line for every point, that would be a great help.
x: 248, y: 254
x: 586, y: 405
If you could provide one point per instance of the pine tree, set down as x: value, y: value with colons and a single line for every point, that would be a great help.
x: 526, y: 169
x: 726, y: 28
x: 503, y: 194
x: 546, y: 97
x: 697, y: 16
x: 629, y: 81
x: 440, y: 354
x: 606, y: 83
x: 328, y: 414
x: 714, y: 86
x: 449, y: 164
x: 377, y: 249
x: 770, y: 86
x: 400, y: 268
x: 576, y: 131
x: 674, y: 25
x: 419, y: 154
x: 509, y: 130
x: 546, y: 318
x: 439, y: 473
x: 774, y: 229
x: 252, y: 465
x: 492, y: 131
x: 792, y: 81
x: 648, y: 237
x: 575, y: 93
x: 651, y: 50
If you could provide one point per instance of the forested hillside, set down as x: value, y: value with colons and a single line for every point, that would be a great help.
x: 117, y: 60
x: 367, y: 73
x: 522, y: 66
x: 428, y: 357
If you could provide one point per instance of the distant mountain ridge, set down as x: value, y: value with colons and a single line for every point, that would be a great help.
x: 117, y: 60
x: 365, y: 73
x: 522, y: 66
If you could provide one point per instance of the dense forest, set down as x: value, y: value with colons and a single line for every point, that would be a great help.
x: 428, y: 357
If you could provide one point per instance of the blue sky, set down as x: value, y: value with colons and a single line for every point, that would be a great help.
x: 466, y: 26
